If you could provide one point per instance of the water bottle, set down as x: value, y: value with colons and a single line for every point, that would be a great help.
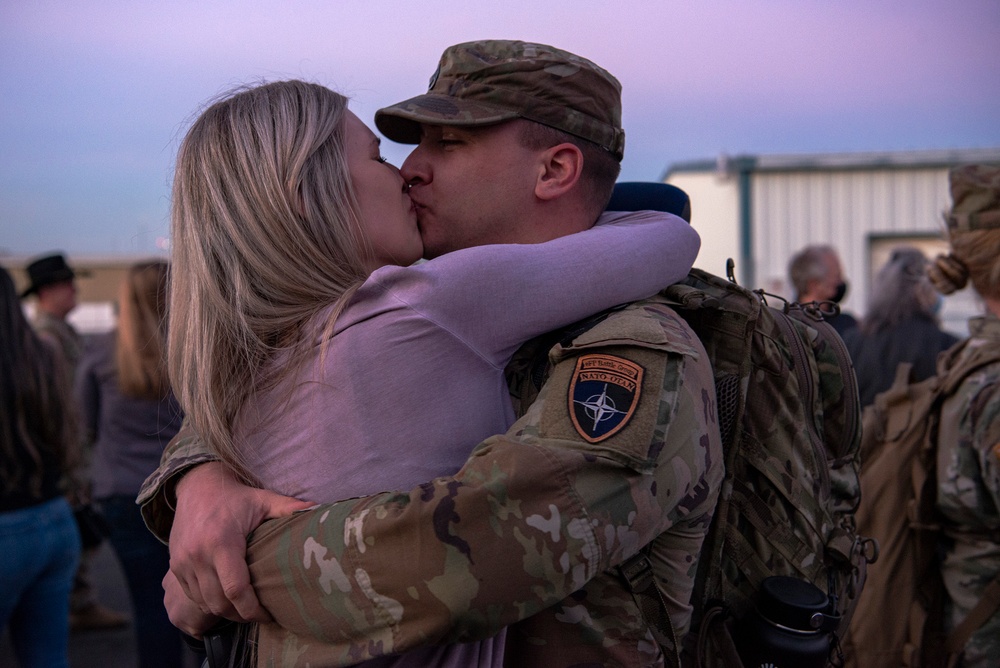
x: 790, y: 626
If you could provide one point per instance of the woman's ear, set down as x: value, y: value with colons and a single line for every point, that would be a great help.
x: 559, y: 171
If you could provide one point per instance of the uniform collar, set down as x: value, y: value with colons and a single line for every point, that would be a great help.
x: 985, y: 327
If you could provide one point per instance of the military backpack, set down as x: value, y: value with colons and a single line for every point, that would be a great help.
x: 900, y: 621
x: 789, y: 417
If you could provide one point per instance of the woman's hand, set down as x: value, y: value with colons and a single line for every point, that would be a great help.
x: 183, y: 612
x: 215, y: 513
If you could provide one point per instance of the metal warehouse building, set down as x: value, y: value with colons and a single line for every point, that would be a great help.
x: 761, y: 210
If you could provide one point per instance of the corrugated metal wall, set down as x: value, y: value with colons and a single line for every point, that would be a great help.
x: 843, y: 208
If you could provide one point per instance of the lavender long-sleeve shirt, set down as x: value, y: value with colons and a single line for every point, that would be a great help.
x: 413, y: 377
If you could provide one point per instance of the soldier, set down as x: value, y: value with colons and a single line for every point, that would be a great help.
x: 968, y: 442
x: 617, y: 448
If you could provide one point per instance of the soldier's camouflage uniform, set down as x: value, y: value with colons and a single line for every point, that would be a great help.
x: 527, y: 533
x: 968, y: 474
x: 64, y: 337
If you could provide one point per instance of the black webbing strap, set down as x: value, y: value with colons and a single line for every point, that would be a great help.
x: 638, y: 573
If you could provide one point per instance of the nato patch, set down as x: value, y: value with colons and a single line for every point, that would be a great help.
x: 603, y: 395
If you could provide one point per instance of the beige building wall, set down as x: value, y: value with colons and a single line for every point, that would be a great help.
x: 715, y: 214
x: 98, y: 278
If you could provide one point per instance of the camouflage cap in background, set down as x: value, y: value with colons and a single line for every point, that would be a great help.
x: 975, y: 193
x: 491, y: 81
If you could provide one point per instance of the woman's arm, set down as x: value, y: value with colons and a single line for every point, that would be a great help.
x: 496, y: 297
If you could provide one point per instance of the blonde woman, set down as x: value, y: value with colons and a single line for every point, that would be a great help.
x: 309, y: 351
x: 130, y: 415
x: 968, y: 452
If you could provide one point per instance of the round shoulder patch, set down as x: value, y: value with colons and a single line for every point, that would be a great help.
x: 603, y: 395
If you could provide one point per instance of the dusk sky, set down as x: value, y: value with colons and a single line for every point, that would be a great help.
x: 96, y: 95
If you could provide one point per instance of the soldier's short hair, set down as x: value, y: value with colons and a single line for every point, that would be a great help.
x: 807, y: 265
x: 600, y: 169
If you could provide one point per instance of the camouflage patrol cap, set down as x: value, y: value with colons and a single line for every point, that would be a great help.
x: 975, y: 193
x: 491, y: 81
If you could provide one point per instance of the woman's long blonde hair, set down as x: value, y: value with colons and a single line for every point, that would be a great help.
x: 265, y: 234
x: 141, y: 342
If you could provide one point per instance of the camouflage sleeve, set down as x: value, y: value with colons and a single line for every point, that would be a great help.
x: 156, y: 497
x: 985, y: 415
x: 602, y: 464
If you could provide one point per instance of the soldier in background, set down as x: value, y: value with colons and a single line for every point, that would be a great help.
x: 968, y: 450
x: 53, y: 283
x: 816, y: 276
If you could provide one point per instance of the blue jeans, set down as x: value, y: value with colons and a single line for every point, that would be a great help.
x: 144, y: 561
x: 39, y: 552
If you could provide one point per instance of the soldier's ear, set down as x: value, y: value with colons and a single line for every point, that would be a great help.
x: 559, y: 171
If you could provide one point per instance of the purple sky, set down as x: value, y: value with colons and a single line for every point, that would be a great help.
x: 95, y: 95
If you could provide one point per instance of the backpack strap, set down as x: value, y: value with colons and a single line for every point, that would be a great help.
x: 720, y: 643
x: 955, y: 374
x: 988, y: 604
x: 638, y: 574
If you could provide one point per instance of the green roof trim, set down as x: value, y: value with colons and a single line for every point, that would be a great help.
x: 936, y: 159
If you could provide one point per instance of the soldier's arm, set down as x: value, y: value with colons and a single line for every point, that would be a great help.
x: 157, y: 497
x: 530, y: 518
x: 208, y: 542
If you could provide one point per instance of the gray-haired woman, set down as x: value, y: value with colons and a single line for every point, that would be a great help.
x: 900, y: 325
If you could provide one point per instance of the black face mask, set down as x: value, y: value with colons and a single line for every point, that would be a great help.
x: 839, y: 294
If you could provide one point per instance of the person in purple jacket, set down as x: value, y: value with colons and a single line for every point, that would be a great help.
x: 308, y: 350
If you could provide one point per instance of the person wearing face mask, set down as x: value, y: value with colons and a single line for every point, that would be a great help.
x: 900, y: 326
x: 816, y: 276
x: 314, y: 359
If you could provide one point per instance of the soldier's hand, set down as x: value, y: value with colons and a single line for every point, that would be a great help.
x: 215, y: 513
